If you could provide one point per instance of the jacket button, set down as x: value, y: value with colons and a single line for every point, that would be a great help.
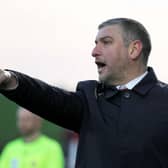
x: 127, y: 95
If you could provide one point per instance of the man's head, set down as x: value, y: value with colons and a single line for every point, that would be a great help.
x: 132, y: 30
x: 122, y: 49
x: 28, y: 123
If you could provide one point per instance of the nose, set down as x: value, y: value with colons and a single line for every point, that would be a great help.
x: 96, y: 51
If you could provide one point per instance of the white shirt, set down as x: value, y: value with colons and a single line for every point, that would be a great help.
x: 131, y: 84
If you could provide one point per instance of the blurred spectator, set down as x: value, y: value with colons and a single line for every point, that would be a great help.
x: 32, y: 149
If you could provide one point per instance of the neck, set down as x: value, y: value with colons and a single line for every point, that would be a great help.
x: 129, y: 75
x: 32, y: 137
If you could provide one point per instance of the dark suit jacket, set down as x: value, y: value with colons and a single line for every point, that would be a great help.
x: 126, y: 129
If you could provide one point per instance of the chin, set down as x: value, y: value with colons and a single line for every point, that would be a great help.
x: 102, y: 79
x: 105, y: 80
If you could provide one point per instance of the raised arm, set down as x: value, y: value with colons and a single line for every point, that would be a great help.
x: 61, y: 107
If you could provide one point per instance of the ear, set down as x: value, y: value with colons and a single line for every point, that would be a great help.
x: 135, y: 49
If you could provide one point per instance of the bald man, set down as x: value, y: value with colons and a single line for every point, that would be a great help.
x: 29, y: 125
x: 32, y: 149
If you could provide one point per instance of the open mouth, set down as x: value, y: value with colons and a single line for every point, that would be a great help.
x: 100, y: 65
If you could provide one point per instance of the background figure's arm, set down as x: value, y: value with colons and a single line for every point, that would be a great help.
x: 5, y: 157
x: 56, y: 105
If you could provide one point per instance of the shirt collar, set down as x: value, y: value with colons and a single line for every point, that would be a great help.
x: 131, y: 84
x: 142, y: 86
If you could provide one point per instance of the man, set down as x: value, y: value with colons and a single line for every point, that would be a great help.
x: 122, y: 120
x: 33, y: 149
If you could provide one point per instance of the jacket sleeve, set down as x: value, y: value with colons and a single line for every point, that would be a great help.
x: 61, y: 107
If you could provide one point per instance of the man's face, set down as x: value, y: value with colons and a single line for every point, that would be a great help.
x: 111, y: 55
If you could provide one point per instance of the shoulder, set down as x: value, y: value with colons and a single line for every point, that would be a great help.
x: 151, y: 81
x: 162, y: 87
x: 49, y: 142
x: 14, y: 144
x: 88, y: 88
x: 88, y: 84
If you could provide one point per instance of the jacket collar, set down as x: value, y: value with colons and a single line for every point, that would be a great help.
x: 147, y: 83
x: 141, y: 88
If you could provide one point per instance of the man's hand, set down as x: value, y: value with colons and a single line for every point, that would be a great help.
x: 8, y: 81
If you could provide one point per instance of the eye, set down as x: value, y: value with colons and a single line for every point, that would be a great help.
x: 107, y: 41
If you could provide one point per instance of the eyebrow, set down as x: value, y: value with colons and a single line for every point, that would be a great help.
x: 103, y: 38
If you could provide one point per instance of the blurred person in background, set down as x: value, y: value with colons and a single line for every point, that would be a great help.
x: 32, y: 149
